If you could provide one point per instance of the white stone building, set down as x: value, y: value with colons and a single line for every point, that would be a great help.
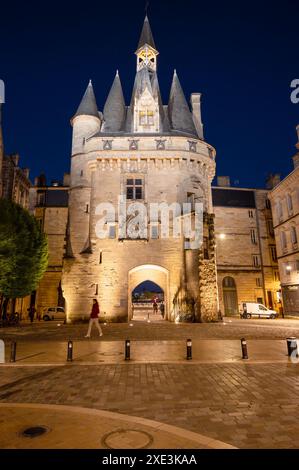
x: 145, y: 152
x: 285, y: 207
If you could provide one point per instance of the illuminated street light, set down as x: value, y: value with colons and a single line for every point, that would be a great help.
x: 222, y: 236
x: 288, y: 268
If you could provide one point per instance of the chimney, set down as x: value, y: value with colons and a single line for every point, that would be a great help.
x: 66, y: 179
x: 196, y: 113
x: 223, y: 181
x: 296, y: 156
x: 272, y: 180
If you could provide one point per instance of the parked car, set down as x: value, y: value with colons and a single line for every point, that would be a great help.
x: 253, y: 309
x: 54, y: 313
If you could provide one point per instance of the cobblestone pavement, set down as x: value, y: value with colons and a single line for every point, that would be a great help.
x: 231, y: 328
x: 245, y: 405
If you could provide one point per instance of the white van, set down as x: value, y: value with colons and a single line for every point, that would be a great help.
x: 253, y: 309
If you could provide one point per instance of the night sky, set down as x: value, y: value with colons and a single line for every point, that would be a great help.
x: 242, y: 56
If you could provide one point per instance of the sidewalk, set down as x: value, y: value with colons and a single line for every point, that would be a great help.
x: 100, y: 351
x: 70, y: 427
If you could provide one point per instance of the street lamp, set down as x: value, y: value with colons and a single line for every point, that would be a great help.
x: 222, y: 236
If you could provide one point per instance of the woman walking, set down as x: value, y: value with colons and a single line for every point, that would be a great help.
x: 94, y: 318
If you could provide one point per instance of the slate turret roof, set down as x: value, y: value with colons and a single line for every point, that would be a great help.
x: 88, y: 105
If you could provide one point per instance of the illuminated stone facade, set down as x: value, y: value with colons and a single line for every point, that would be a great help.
x: 150, y: 153
x: 285, y: 204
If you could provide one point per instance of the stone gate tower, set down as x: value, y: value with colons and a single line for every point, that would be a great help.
x: 144, y: 152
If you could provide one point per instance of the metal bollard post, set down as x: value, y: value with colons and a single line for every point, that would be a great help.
x: 292, y: 346
x: 244, y: 348
x: 69, y: 351
x: 189, y: 349
x: 127, y: 350
x: 13, y: 351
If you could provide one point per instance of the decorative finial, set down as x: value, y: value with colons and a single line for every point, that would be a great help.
x: 90, y: 83
x: 117, y: 74
x: 174, y: 72
x: 146, y: 8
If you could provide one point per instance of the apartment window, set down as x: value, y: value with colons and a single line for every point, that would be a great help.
x: 279, y: 210
x: 290, y: 204
x: 41, y: 199
x: 253, y: 236
x: 276, y: 276
x: 283, y: 241
x: 250, y: 214
x: 154, y: 231
x: 256, y: 261
x: 273, y: 253
x: 258, y: 282
x: 86, y: 208
x: 112, y: 231
x: 268, y: 204
x: 134, y: 188
x: 146, y: 118
x: 294, y: 236
x: 297, y: 266
x: 270, y: 227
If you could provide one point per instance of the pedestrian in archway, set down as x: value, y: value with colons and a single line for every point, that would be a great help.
x: 94, y: 318
x: 162, y: 309
x: 155, y: 306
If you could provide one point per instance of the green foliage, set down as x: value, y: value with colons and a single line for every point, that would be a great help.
x: 23, y: 251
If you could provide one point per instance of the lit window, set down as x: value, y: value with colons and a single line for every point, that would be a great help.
x: 134, y: 188
x: 146, y: 118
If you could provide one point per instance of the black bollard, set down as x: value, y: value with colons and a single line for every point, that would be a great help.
x: 127, y: 350
x: 189, y: 349
x: 292, y: 346
x: 69, y: 351
x: 13, y: 351
x: 244, y: 348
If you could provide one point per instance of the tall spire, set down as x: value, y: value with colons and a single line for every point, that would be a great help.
x: 114, y: 109
x: 88, y: 105
x: 179, y: 113
x: 146, y: 36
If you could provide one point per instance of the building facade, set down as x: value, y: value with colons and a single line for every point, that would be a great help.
x: 49, y: 204
x: 285, y: 203
x: 247, y: 268
x: 148, y: 153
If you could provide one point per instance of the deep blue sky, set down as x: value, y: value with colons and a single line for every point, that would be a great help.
x: 241, y: 55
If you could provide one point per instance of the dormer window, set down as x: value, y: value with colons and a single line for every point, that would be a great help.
x: 146, y: 118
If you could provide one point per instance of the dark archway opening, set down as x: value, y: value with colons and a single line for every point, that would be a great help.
x: 148, y: 301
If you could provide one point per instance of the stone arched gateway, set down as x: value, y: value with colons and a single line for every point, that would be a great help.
x: 148, y: 272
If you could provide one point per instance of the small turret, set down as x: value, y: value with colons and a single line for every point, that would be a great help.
x: 86, y: 122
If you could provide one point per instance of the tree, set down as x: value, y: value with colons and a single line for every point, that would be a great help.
x: 23, y: 251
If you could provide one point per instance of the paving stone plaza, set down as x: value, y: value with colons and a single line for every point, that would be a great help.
x: 215, y: 400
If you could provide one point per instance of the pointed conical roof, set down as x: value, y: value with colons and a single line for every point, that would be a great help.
x: 114, y: 109
x: 146, y: 36
x: 179, y: 113
x: 88, y: 105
